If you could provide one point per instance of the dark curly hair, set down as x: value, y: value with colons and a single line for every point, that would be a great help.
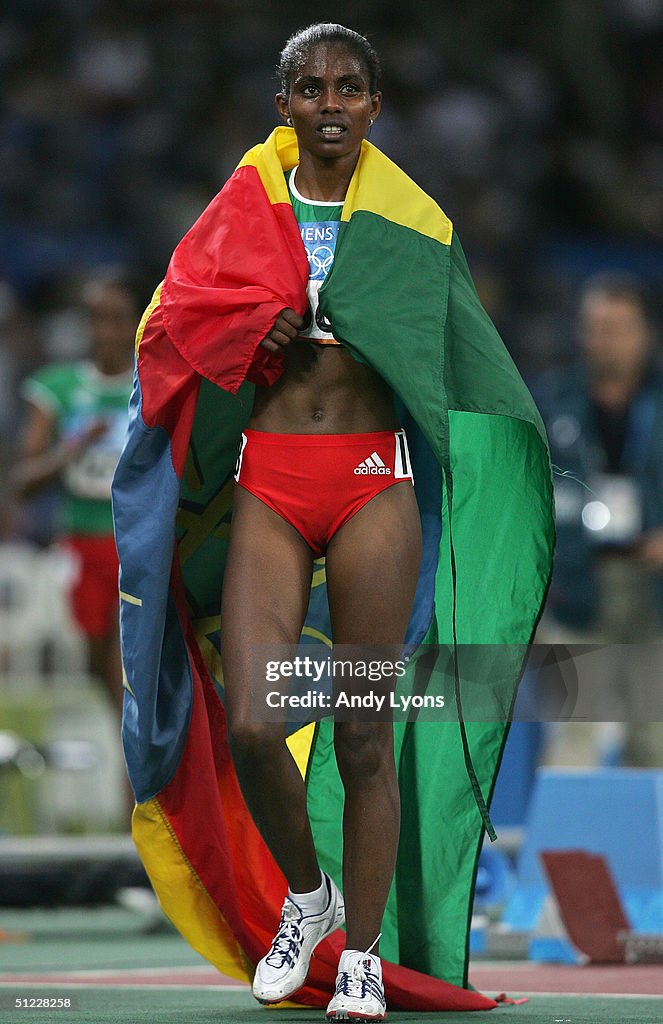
x: 300, y: 44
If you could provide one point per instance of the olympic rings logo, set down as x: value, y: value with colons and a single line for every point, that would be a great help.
x: 320, y: 260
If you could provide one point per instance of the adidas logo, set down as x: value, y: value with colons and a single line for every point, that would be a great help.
x: 373, y: 465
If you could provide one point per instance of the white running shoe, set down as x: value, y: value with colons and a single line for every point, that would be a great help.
x: 359, y: 991
x: 285, y: 967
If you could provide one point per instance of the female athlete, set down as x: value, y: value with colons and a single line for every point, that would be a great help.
x: 323, y: 469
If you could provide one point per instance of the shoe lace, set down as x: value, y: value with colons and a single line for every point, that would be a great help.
x: 288, y: 938
x: 354, y: 981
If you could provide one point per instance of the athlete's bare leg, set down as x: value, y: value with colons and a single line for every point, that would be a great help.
x: 266, y: 589
x: 372, y: 570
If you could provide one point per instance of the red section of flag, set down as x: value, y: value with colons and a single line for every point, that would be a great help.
x: 242, y: 262
x: 170, y: 399
x: 205, y: 807
x: 508, y: 1001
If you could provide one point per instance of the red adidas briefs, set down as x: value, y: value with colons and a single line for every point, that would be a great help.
x: 317, y: 482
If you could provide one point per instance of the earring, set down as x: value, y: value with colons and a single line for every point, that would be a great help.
x: 289, y: 122
x: 370, y: 122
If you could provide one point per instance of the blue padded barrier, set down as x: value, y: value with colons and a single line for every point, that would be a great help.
x: 617, y: 812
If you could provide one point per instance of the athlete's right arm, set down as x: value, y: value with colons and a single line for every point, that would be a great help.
x: 286, y: 327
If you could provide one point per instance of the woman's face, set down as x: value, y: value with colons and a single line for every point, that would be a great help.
x: 330, y: 103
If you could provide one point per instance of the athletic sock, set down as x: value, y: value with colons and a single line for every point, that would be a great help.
x: 311, y: 902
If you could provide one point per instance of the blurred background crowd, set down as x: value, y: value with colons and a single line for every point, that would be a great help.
x: 536, y: 124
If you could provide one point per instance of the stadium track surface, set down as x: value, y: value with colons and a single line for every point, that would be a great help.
x: 117, y: 971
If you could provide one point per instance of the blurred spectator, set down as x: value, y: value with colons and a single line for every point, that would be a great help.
x: 604, y: 417
x: 73, y: 437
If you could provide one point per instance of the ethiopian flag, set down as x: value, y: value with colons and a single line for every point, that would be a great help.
x: 400, y: 298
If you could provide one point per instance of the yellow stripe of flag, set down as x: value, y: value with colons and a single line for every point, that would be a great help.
x: 147, y: 314
x: 378, y: 186
x: 181, y: 893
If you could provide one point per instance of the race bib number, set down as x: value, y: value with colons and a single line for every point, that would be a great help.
x: 320, y: 243
x: 91, y: 474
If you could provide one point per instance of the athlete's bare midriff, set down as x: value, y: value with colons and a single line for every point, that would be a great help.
x: 324, y: 390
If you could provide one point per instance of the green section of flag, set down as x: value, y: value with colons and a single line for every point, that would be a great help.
x: 386, y: 296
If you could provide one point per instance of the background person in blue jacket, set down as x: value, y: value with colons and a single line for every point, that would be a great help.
x: 604, y: 417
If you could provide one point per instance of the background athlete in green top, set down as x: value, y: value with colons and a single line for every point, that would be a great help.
x: 85, y: 409
x: 73, y: 436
